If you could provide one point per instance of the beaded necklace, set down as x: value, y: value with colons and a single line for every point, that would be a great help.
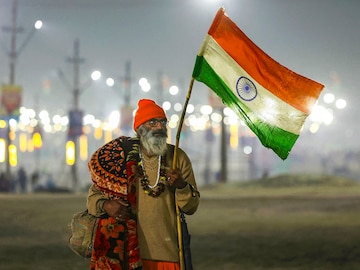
x: 159, y: 186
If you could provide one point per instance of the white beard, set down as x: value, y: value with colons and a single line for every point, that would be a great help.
x: 153, y: 145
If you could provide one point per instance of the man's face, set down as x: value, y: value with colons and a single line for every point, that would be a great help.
x: 153, y: 135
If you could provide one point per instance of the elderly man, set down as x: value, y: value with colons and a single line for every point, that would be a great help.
x: 135, y: 191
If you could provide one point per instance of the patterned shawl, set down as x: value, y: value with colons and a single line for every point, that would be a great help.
x: 113, y: 170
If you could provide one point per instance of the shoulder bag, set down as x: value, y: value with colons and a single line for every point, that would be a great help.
x: 83, y: 228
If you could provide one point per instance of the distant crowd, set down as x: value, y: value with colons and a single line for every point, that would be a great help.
x: 22, y: 182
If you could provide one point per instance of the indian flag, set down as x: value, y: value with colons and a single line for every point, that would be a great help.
x: 272, y: 100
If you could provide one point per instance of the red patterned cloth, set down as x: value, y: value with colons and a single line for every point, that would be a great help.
x: 113, y: 170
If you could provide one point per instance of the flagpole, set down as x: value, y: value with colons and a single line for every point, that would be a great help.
x: 182, y: 121
x: 178, y: 218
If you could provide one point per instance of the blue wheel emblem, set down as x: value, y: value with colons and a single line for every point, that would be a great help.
x: 246, y: 89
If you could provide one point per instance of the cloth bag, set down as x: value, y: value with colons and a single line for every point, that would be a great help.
x: 186, y: 242
x: 83, y: 228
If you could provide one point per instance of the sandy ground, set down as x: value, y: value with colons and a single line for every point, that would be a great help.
x: 234, y: 228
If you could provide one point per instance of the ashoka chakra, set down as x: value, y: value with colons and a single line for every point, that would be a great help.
x: 246, y: 89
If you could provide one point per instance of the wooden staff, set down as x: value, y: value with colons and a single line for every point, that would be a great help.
x: 178, y: 218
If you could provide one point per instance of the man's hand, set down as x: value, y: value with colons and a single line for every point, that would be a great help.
x: 116, y: 209
x: 175, y: 179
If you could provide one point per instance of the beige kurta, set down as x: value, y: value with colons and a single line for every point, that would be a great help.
x: 157, y: 229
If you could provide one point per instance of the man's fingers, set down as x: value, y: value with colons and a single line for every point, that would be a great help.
x: 123, y: 203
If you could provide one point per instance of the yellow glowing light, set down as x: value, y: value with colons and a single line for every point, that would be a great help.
x: 83, y: 141
x: 70, y: 153
x: 2, y: 124
x: 30, y: 145
x: 2, y: 150
x: 12, y: 155
x: 98, y: 133
x: 23, y: 142
x: 12, y: 135
x: 37, y: 140
x: 234, y: 136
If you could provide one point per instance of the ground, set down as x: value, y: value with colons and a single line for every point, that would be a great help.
x: 237, y: 226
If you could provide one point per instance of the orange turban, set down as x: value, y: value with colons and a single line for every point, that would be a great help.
x: 147, y: 109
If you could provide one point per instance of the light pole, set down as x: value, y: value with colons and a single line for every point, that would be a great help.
x: 75, y: 113
x: 13, y: 56
x: 126, y: 110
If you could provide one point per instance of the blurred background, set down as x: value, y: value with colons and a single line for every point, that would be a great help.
x: 72, y: 72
